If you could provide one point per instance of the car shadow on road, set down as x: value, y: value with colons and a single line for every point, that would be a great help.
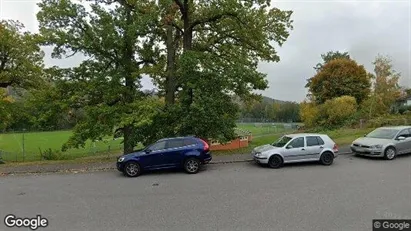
x: 380, y: 158
x: 292, y: 165
x: 165, y: 172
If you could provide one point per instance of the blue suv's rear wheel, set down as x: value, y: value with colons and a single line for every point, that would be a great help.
x: 132, y: 169
x: 192, y: 165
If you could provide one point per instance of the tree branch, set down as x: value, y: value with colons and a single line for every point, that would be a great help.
x: 177, y: 27
x: 214, y: 18
x: 3, y: 62
x: 180, y: 5
x: 5, y: 84
x: 146, y: 61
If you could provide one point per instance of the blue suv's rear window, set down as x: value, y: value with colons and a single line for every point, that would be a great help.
x: 189, y: 142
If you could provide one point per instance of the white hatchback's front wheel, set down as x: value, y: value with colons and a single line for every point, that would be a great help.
x: 390, y: 153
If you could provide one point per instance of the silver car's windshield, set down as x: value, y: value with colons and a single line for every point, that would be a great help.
x: 282, y: 141
x: 382, y: 133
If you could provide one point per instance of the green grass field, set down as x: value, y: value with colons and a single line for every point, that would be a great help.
x: 258, y: 129
x: 12, y: 144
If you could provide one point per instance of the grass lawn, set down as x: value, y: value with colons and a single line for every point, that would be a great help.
x: 347, y: 136
x: 263, y: 128
x: 12, y: 144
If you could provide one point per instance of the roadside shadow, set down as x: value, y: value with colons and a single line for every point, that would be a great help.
x: 380, y: 158
x: 291, y: 165
x: 171, y: 171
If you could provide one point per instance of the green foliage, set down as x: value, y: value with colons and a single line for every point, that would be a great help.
x: 309, y: 113
x: 388, y: 120
x: 331, y: 55
x: 50, y: 154
x: 106, y: 86
x: 277, y: 111
x: 333, y: 113
x: 338, y: 78
x: 215, y: 57
x: 385, y: 92
x: 213, y: 54
x: 21, y: 59
x: 404, y: 109
x: 386, y: 84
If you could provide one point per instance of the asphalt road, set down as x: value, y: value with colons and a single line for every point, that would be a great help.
x: 241, y: 196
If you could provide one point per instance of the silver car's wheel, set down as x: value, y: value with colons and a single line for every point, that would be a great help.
x: 390, y: 153
x: 327, y: 158
x: 275, y: 161
x: 192, y: 165
x: 132, y: 169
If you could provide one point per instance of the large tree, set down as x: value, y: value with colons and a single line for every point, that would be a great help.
x: 340, y: 77
x: 21, y: 59
x: 386, y: 89
x: 211, y: 51
x: 116, y: 37
x: 327, y: 57
x: 213, y: 48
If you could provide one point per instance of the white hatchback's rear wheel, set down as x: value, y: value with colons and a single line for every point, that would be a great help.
x: 327, y: 158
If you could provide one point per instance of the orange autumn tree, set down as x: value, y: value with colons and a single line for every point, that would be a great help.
x: 340, y: 77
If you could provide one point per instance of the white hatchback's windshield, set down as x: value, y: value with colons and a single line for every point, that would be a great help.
x: 382, y: 133
x: 282, y: 141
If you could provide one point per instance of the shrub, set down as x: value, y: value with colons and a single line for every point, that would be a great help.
x: 309, y: 113
x: 381, y: 121
x: 53, y: 155
x: 338, y: 110
x: 404, y: 109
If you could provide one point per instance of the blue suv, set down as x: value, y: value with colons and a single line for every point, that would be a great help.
x: 188, y: 153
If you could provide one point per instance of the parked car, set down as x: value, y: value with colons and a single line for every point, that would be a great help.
x: 188, y: 153
x: 387, y: 142
x: 294, y: 148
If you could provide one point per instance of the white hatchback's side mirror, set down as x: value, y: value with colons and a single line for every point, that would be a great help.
x: 401, y: 138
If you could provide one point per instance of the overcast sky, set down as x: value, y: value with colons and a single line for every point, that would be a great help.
x: 362, y: 28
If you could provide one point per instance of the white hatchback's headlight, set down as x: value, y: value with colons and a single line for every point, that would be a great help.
x: 378, y: 146
x: 259, y: 154
x: 121, y: 159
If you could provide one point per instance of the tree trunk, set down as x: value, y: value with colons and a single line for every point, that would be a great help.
x: 129, y: 90
x: 128, y: 144
x: 188, y: 37
x: 170, y: 71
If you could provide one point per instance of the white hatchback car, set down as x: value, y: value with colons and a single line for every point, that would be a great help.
x: 292, y: 148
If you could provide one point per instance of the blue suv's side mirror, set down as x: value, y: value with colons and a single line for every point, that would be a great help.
x: 147, y: 151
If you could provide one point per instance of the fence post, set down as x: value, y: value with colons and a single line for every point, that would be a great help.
x: 24, y: 151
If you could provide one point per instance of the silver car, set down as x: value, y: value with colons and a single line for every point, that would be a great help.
x: 302, y: 147
x: 387, y: 142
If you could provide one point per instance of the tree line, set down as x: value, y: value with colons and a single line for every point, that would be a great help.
x: 199, y: 54
x: 268, y: 109
x: 342, y: 92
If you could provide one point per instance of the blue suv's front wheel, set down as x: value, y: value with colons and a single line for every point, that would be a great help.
x: 132, y: 169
